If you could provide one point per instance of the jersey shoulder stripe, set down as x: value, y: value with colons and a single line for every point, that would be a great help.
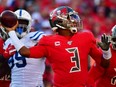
x: 37, y: 36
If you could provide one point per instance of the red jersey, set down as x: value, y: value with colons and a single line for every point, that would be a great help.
x: 1, y: 46
x: 105, y: 78
x: 95, y: 72
x: 4, y: 82
x: 68, y: 57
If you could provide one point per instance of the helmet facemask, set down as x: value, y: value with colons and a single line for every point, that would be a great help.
x: 114, y: 43
x: 22, y: 28
x: 113, y: 37
x: 24, y: 20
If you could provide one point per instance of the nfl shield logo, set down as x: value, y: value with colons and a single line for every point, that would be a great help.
x: 57, y: 43
x: 69, y: 42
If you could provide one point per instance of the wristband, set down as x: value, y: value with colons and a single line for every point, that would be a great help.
x: 107, y: 54
x: 16, y: 42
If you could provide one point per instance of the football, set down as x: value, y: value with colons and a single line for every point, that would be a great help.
x: 8, y: 19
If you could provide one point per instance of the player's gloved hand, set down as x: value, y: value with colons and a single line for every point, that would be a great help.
x: 10, y: 51
x: 104, y: 44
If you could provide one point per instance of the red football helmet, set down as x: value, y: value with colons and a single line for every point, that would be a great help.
x: 65, y: 17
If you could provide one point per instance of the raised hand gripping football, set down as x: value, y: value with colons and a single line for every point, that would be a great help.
x: 12, y: 28
x: 104, y: 44
x: 9, y: 20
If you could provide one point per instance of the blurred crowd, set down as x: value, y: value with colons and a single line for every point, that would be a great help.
x: 98, y: 16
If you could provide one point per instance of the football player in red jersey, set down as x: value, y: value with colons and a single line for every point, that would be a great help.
x: 4, y: 68
x: 68, y: 50
x: 100, y: 77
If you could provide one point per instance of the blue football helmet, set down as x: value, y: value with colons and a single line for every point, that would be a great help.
x: 24, y: 20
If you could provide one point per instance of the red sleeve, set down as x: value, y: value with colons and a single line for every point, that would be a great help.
x: 37, y: 52
x: 4, y: 83
x: 94, y: 74
x: 1, y: 46
x: 95, y: 52
x: 40, y: 50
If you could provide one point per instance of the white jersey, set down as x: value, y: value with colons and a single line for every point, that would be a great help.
x: 26, y: 72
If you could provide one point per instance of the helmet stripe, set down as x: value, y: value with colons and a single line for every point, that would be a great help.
x: 37, y: 35
x: 20, y: 14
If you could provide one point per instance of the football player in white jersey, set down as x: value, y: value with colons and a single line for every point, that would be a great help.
x: 25, y: 72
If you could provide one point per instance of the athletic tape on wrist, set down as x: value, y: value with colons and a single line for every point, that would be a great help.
x: 17, y: 43
x: 107, y: 54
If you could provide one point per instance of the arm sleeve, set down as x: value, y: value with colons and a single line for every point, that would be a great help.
x: 15, y: 40
x: 95, y: 52
x: 37, y: 51
x: 40, y: 50
x: 95, y: 73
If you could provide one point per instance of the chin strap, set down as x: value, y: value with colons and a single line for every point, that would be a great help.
x: 73, y: 29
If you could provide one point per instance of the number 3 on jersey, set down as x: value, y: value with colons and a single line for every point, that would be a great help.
x: 75, y: 59
x: 17, y: 60
x: 113, y: 80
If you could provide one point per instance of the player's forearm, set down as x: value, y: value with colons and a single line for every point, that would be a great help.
x: 24, y: 51
x: 105, y: 62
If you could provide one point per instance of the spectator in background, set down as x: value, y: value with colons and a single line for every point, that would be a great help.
x: 3, y: 5
x: 46, y: 27
x: 17, y: 4
x: 96, y: 31
x: 37, y: 20
x: 97, y: 34
x: 102, y: 5
x: 46, y: 6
